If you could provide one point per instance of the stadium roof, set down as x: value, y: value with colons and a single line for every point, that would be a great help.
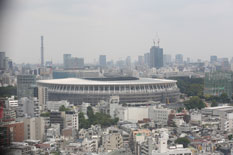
x: 77, y: 81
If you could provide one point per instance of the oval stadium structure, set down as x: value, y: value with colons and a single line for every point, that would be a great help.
x: 92, y: 91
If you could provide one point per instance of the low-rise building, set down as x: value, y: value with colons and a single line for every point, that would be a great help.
x: 163, y: 148
x: 112, y: 141
x: 55, y: 105
x: 159, y: 114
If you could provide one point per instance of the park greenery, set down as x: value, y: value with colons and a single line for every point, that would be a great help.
x: 183, y: 141
x: 194, y: 102
x: 98, y: 118
x: 190, y: 86
x: 8, y: 91
x: 195, y: 87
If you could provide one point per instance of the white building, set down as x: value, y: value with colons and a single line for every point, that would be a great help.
x: 28, y: 107
x: 55, y: 105
x: 114, y: 106
x: 159, y: 114
x: 84, y: 107
x: 216, y: 111
x: 227, y: 122
x: 89, y: 145
x: 53, y: 132
x: 133, y: 114
x: 12, y: 103
x: 71, y: 120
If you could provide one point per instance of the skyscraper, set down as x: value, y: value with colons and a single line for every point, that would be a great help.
x: 128, y: 61
x: 147, y: 59
x: 179, y: 59
x: 66, y: 60
x: 167, y: 59
x: 42, y: 51
x: 140, y: 60
x: 156, y: 57
x: 213, y: 58
x: 102, y: 60
x: 3, y: 61
x: 70, y: 62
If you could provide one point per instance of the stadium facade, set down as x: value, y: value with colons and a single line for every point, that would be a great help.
x: 129, y: 90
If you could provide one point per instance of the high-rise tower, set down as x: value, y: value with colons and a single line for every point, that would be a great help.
x: 156, y: 57
x: 102, y: 60
x: 42, y: 51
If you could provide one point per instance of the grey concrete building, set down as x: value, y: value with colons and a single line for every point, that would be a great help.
x: 156, y: 57
x: 26, y: 85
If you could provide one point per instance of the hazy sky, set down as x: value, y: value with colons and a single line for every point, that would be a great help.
x: 117, y: 28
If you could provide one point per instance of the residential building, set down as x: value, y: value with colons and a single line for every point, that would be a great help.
x: 159, y: 114
x: 14, y: 131
x: 12, y: 102
x: 112, y: 141
x: 55, y: 105
x: 163, y: 148
x: 28, y: 107
x: 132, y: 114
x: 57, y: 117
x: 34, y: 128
x: 71, y: 120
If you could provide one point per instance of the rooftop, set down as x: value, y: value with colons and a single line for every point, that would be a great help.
x: 219, y: 107
x: 78, y: 81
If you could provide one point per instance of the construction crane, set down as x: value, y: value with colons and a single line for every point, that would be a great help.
x: 157, y: 40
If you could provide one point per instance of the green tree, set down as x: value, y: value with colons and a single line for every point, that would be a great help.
x: 230, y: 137
x: 63, y: 108
x: 99, y: 118
x: 83, y: 123
x: 186, y: 118
x: 8, y: 91
x: 190, y: 86
x: 224, y: 98
x: 214, y: 103
x: 45, y: 114
x: 183, y: 141
x: 195, y: 103
x: 90, y: 114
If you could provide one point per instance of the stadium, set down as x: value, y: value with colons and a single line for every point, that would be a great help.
x: 129, y: 89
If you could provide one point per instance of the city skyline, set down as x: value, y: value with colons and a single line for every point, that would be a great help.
x: 108, y: 77
x: 87, y: 29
